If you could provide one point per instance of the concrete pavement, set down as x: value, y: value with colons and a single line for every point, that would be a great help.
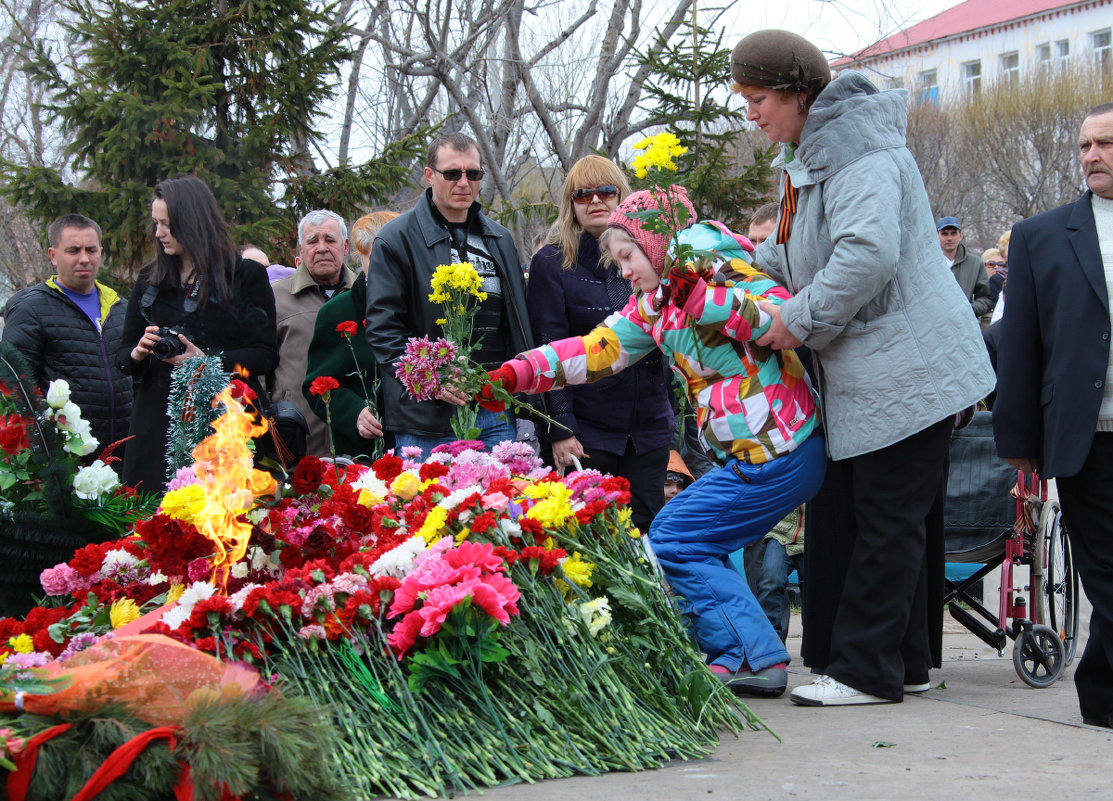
x: 986, y: 735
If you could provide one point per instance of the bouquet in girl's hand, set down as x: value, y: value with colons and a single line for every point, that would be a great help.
x: 429, y: 367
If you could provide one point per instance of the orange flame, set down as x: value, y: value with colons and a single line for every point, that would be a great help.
x: 223, y: 465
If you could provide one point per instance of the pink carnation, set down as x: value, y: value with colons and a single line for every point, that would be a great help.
x: 61, y: 580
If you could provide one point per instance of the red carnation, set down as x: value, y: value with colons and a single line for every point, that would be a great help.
x: 308, y: 475
x: 387, y: 468
x: 323, y: 385
x: 347, y: 329
x: 432, y: 470
x: 241, y: 391
x: 483, y: 522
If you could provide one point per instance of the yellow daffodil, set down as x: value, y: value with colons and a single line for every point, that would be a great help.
x: 21, y: 644
x: 578, y: 570
x: 184, y: 503
x: 123, y: 612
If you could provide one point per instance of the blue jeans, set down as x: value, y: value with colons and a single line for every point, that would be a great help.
x: 696, y: 532
x: 772, y: 584
x: 497, y: 427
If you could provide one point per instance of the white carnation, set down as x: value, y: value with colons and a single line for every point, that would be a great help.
x: 95, y: 481
x: 58, y: 393
x: 399, y: 561
x: 239, y: 570
x: 596, y: 614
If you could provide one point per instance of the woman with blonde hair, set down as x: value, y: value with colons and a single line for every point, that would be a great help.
x: 624, y: 424
x: 356, y: 431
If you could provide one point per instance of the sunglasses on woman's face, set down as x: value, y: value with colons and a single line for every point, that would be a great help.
x: 605, y: 193
x: 452, y: 176
x: 997, y: 264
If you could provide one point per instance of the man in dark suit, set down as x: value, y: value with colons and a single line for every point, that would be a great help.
x: 1054, y: 408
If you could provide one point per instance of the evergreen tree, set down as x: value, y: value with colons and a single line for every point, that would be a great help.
x: 225, y: 90
x: 677, y: 92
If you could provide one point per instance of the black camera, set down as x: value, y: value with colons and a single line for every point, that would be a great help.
x: 168, y: 345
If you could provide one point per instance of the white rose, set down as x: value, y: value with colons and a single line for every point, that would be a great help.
x: 67, y: 416
x: 95, y: 481
x: 58, y: 393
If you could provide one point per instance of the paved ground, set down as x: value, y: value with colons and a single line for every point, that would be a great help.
x: 987, y: 735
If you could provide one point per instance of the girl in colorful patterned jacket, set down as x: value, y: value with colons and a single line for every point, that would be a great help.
x: 755, y: 410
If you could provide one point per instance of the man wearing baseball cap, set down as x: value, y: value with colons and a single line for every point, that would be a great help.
x: 967, y: 268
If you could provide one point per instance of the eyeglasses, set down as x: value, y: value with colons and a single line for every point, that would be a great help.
x: 452, y: 176
x: 996, y: 264
x: 584, y: 196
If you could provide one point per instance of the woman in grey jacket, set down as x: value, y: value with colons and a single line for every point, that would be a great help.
x: 897, y: 354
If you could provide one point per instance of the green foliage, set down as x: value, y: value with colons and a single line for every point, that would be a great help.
x: 720, y: 188
x: 193, y: 385
x: 226, y: 91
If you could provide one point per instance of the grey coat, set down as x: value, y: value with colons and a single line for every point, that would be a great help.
x: 896, y: 347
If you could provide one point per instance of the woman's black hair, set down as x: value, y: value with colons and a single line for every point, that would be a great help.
x: 197, y: 225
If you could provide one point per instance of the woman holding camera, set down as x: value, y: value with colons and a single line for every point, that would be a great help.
x: 197, y: 297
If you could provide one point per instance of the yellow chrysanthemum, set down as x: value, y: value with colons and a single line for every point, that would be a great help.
x: 184, y: 503
x: 463, y: 534
x: 433, y: 527
x: 406, y: 485
x: 578, y: 570
x: 551, y: 512
x: 547, y: 489
x: 174, y: 593
x: 660, y: 150
x: 460, y: 278
x: 123, y: 612
x: 21, y: 644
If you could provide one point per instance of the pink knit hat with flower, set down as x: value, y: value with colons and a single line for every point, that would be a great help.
x: 654, y: 245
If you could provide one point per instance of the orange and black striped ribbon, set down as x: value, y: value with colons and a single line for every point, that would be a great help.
x: 788, y: 211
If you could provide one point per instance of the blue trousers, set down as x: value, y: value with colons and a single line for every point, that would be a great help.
x: 497, y: 427
x: 696, y: 532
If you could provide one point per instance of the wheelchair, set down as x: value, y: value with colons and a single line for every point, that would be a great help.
x: 997, y: 517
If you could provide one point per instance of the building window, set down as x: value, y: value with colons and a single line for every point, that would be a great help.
x: 972, y: 77
x: 1043, y: 54
x: 1010, y: 66
x: 1062, y: 52
x: 1102, y: 44
x: 927, y: 87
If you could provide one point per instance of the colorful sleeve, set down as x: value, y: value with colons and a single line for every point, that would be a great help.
x: 610, y: 348
x: 733, y: 308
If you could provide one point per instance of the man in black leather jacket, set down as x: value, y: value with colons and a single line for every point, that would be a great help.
x: 68, y: 327
x: 445, y: 226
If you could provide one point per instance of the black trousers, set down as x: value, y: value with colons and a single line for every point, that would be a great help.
x: 646, y: 473
x: 1087, y: 501
x: 874, y: 565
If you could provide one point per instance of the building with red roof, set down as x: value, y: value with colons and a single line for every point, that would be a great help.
x: 987, y: 40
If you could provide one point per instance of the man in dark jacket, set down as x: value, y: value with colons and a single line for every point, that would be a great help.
x: 446, y: 226
x: 967, y: 268
x: 68, y: 327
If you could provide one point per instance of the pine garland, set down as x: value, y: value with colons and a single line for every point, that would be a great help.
x: 193, y: 385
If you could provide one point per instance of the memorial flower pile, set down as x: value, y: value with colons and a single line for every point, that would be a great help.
x: 475, y: 591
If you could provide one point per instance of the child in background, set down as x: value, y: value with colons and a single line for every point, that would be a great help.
x: 755, y: 410
x: 677, y: 477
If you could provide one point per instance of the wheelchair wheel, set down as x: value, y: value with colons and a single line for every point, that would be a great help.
x: 1039, y: 656
x: 1057, y: 590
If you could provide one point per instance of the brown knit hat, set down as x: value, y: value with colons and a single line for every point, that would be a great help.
x: 654, y: 245
x: 779, y: 60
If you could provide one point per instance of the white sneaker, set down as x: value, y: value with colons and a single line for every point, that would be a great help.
x: 825, y: 691
x: 916, y: 689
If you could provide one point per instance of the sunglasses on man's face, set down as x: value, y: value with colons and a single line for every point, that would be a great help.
x: 452, y: 176
x: 605, y: 193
